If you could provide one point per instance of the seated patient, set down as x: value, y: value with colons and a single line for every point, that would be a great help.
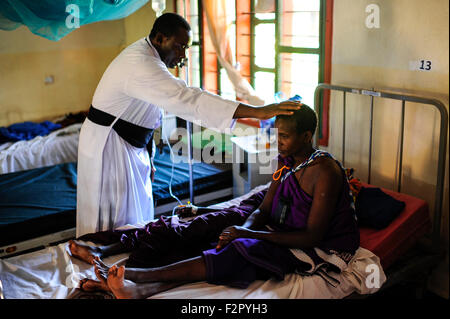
x: 307, y: 207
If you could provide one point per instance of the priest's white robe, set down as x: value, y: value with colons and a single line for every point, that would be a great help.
x: 114, y: 186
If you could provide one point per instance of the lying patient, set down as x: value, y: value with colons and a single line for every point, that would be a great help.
x: 307, y: 206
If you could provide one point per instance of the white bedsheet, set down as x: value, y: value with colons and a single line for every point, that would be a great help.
x: 60, y: 146
x: 51, y: 274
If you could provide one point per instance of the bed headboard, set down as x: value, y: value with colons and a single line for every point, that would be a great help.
x: 438, y: 105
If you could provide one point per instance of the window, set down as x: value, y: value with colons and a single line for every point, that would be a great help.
x: 191, y: 9
x: 225, y: 87
x: 195, y: 67
x: 287, y: 37
x: 194, y: 52
x: 292, y: 39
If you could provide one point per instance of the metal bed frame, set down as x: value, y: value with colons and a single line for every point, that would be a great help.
x: 430, y: 252
x: 36, y: 243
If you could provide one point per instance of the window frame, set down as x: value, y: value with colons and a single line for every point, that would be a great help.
x: 200, y: 41
x: 246, y: 57
x: 323, y: 51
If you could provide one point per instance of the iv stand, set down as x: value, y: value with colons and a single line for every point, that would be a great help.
x: 189, y: 130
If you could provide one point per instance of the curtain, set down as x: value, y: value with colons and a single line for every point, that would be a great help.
x: 218, y: 25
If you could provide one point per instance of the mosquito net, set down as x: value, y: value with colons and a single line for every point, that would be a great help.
x: 54, y: 19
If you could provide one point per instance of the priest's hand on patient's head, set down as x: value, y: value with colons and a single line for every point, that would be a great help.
x: 283, y: 108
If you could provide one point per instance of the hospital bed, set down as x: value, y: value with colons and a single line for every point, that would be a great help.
x: 60, y: 146
x: 211, y: 181
x: 38, y: 188
x: 38, y: 205
x: 408, y: 247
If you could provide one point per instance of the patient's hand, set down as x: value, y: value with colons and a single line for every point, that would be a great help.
x: 186, y: 211
x: 231, y: 233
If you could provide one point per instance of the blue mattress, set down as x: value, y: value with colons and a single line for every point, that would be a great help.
x: 207, y: 178
x: 42, y: 201
x: 37, y: 202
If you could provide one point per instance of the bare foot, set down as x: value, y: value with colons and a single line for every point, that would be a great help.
x: 89, y: 285
x: 102, y: 268
x: 121, y: 288
x: 84, y: 252
x: 95, y: 285
x: 126, y: 289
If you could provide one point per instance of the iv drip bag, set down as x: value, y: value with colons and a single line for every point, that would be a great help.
x: 158, y: 6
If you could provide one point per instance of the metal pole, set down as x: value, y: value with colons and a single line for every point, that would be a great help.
x: 190, y: 151
x: 400, y: 165
x: 343, y: 127
x: 189, y: 129
x: 370, y: 138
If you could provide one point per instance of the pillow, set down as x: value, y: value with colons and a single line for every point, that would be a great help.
x: 376, y: 209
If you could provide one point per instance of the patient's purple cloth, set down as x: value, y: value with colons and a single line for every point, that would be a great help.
x: 170, y: 240
x: 245, y: 260
x: 343, y: 233
x: 257, y: 259
x: 300, y: 201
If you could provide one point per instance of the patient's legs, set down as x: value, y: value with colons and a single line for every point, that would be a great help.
x: 147, y: 282
x: 143, y: 283
x: 88, y: 253
x: 126, y: 289
x: 193, y: 269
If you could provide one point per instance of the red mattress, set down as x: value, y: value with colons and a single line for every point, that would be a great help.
x: 401, y: 234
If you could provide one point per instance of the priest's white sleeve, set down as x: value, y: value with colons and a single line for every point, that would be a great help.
x: 153, y: 83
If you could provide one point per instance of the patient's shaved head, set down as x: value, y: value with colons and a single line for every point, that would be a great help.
x: 303, y: 120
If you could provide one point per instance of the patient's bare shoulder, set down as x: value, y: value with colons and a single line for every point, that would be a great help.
x: 324, y: 170
x: 326, y: 167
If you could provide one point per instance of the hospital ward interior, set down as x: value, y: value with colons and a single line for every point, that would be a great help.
x: 167, y: 163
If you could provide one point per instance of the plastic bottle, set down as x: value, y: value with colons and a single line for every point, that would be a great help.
x: 266, y: 125
x: 296, y: 97
x: 158, y: 6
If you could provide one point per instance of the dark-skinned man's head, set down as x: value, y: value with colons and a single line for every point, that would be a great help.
x: 171, y: 37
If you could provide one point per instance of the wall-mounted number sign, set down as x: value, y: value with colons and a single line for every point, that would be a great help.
x: 421, y: 65
x: 425, y: 65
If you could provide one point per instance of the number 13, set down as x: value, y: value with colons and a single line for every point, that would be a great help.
x: 425, y: 65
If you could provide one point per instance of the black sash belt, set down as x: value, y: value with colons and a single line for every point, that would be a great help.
x: 136, y: 135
